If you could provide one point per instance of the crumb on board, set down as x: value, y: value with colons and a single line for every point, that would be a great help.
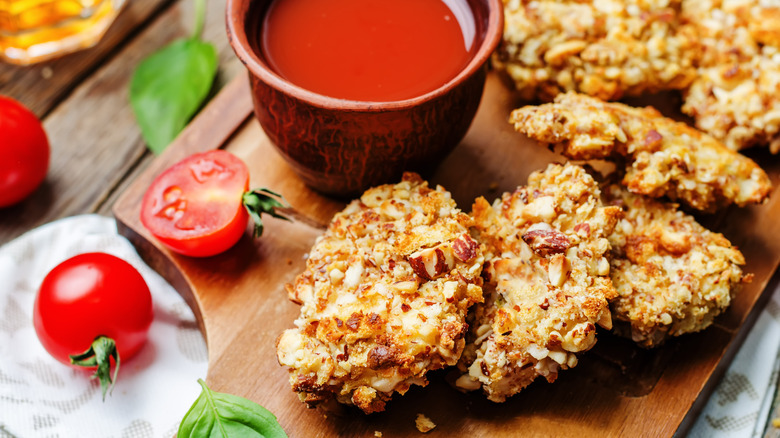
x: 776, y: 423
x: 424, y: 424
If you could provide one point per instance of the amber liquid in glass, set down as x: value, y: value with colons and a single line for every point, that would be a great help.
x: 36, y: 30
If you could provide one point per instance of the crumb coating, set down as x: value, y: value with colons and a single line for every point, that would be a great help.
x: 384, y: 297
x: 736, y: 94
x: 672, y: 275
x: 604, y: 48
x: 546, y: 281
x: 662, y: 157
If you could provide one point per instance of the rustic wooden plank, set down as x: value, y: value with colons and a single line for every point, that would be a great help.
x: 616, y: 390
x: 42, y: 86
x: 95, y: 141
x: 223, y: 117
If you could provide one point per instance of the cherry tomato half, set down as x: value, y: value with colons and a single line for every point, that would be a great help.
x: 195, y: 206
x: 89, y: 296
x: 24, y: 149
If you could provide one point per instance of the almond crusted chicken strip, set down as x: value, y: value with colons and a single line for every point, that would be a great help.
x: 736, y: 95
x: 604, y: 48
x: 547, y: 281
x: 662, y: 156
x: 672, y: 275
x: 384, y: 297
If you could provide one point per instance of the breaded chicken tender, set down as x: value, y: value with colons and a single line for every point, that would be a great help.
x: 546, y: 281
x: 384, y: 297
x: 604, y: 48
x: 672, y: 275
x: 662, y: 157
x: 736, y: 95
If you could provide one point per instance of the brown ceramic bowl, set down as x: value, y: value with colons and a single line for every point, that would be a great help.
x: 341, y: 147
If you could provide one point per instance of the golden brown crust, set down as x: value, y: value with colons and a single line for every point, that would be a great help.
x: 547, y: 280
x: 604, y: 48
x: 736, y: 95
x: 384, y: 297
x: 672, y: 275
x: 663, y: 157
x: 724, y: 55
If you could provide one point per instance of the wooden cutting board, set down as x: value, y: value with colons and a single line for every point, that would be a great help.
x: 241, y: 304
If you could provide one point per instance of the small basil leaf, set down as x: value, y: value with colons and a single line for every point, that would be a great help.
x: 169, y: 87
x: 216, y: 414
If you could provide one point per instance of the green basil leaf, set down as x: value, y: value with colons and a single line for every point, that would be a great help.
x: 169, y: 87
x: 220, y: 415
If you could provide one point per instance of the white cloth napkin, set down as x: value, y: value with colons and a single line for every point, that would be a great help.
x: 40, y: 397
x: 741, y: 403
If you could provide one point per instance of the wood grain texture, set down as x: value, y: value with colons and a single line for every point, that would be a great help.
x: 96, y: 144
x: 616, y: 390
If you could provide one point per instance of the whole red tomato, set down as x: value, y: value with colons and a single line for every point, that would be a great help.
x: 24, y: 149
x: 200, y: 206
x: 90, y: 308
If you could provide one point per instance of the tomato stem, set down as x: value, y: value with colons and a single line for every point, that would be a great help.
x: 99, y: 355
x: 260, y: 201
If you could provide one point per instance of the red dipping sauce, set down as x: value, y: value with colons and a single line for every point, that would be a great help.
x: 368, y: 50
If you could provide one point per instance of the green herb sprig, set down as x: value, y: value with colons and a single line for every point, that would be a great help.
x: 216, y: 414
x: 260, y: 201
x: 169, y: 86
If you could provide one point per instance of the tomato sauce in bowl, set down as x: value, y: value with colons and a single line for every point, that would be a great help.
x: 352, y: 93
x: 368, y: 50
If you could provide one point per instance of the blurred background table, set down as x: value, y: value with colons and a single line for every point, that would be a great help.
x: 82, y: 99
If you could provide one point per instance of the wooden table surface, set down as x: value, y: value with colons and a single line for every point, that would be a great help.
x: 82, y: 99
x: 96, y: 146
